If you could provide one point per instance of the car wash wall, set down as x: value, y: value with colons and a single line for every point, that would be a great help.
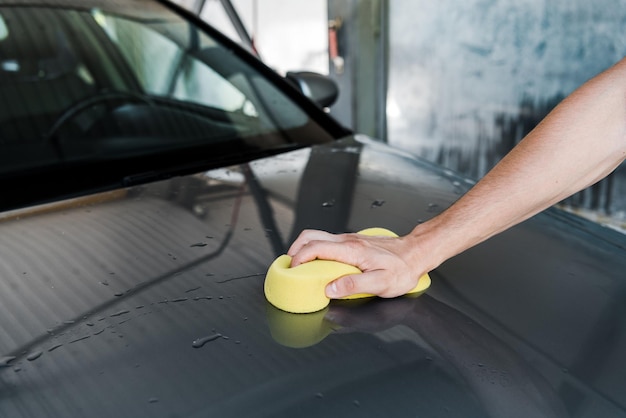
x: 467, y: 80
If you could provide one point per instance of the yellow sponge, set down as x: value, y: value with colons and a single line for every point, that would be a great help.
x: 301, y: 289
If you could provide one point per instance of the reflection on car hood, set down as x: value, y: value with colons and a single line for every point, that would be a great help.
x: 148, y: 301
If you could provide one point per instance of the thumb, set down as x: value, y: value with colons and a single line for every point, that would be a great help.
x: 335, y: 290
x: 371, y: 282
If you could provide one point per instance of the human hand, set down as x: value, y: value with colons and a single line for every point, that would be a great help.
x: 387, y: 263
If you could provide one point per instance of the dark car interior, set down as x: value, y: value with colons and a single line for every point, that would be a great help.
x: 64, y: 104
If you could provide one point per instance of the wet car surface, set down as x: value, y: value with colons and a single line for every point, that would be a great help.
x: 145, y: 297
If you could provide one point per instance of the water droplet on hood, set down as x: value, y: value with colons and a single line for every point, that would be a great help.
x: 84, y: 337
x: 34, y: 355
x: 200, y: 342
x: 329, y: 203
x: 4, y: 361
x: 54, y: 347
x: 433, y: 207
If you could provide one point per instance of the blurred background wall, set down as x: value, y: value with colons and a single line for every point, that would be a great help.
x: 467, y: 80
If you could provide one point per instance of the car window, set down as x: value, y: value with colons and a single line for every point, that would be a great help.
x: 85, y: 84
x: 163, y: 68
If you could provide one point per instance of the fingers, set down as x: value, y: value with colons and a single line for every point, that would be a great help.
x: 312, y: 244
x: 305, y: 237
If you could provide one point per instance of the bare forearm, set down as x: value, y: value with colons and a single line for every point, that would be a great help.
x: 580, y: 142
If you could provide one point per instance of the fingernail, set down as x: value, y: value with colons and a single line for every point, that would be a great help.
x: 331, y: 290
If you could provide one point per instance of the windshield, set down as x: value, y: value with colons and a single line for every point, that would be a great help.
x: 84, y: 84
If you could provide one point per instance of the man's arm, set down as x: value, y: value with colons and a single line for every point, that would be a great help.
x: 581, y: 141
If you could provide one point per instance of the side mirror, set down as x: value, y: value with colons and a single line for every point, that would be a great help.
x: 317, y: 87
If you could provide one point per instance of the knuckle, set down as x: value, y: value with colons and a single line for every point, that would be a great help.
x: 355, y: 245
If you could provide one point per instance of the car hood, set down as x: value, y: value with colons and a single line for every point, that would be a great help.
x: 148, y: 301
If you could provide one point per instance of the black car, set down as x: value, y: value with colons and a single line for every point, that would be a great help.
x: 152, y: 170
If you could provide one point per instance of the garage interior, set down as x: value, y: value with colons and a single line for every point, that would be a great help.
x: 456, y: 83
